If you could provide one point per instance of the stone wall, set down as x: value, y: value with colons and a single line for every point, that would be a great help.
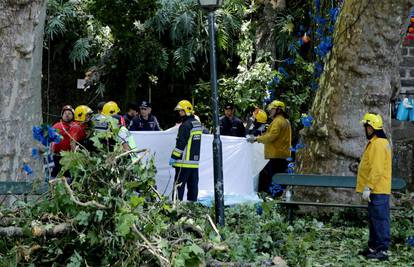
x: 403, y: 151
x: 407, y: 68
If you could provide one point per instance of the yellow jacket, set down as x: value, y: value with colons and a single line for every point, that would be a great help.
x: 277, y: 139
x: 375, y: 167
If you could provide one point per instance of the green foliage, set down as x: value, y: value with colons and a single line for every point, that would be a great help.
x: 190, y: 255
x: 247, y: 236
x: 247, y: 89
x: 295, y: 90
x: 59, y: 15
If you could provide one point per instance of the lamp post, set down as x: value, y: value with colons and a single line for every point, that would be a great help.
x: 211, y: 6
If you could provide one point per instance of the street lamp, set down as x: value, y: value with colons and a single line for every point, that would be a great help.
x: 211, y: 6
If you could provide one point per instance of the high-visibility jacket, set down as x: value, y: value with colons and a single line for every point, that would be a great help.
x: 375, y: 167
x: 101, y: 124
x: 277, y: 139
x: 187, y: 148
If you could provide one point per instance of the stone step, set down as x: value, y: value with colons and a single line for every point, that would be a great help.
x: 402, y: 130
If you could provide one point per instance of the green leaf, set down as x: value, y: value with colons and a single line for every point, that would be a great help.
x: 93, y: 237
x: 75, y: 260
x: 124, y: 224
x: 136, y: 201
x: 83, y: 218
x: 99, y: 215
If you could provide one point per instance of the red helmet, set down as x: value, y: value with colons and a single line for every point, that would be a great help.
x: 68, y: 107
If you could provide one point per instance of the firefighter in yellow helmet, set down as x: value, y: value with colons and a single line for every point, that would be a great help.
x: 110, y: 108
x: 83, y: 113
x: 277, y: 142
x: 259, y: 124
x: 102, y: 124
x: 374, y: 182
x: 83, y: 117
x: 186, y: 154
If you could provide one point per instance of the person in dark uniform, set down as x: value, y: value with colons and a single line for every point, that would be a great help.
x: 145, y: 121
x: 186, y: 154
x: 132, y: 112
x: 100, y: 106
x: 231, y: 125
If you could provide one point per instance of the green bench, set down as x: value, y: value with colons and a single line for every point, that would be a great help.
x: 310, y: 180
x: 24, y: 188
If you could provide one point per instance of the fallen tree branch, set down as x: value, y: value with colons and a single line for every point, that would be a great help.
x: 7, y: 221
x: 162, y: 259
x: 56, y: 230
x: 135, y: 150
x: 212, y: 224
x: 137, y: 160
x: 69, y: 190
x: 10, y: 231
x: 37, y: 230
x: 156, y: 192
x: 193, y: 229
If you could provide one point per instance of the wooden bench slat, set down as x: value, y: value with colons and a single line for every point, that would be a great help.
x: 21, y: 188
x: 338, y: 205
x: 312, y: 180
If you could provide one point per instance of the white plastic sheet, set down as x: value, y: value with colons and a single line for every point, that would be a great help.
x: 242, y: 162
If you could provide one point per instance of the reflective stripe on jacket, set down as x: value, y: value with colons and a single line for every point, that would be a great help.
x: 187, y: 149
x: 277, y: 139
x: 375, y: 167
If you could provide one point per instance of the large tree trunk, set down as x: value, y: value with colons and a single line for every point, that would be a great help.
x: 361, y: 75
x: 21, y: 39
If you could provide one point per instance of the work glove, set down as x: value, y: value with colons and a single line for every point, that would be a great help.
x: 171, y: 161
x: 366, y: 194
x: 251, y: 139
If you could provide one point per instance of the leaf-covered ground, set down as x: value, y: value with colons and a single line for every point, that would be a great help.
x: 329, y: 241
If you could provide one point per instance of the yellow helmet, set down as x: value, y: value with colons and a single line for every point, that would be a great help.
x: 186, y: 106
x: 277, y: 104
x: 110, y: 108
x: 81, y: 112
x: 374, y: 120
x: 261, y: 116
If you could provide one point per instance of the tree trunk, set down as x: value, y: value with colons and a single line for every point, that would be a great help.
x: 361, y: 75
x: 21, y: 39
x: 265, y: 33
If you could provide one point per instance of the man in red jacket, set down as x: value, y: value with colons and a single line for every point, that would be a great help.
x: 70, y: 132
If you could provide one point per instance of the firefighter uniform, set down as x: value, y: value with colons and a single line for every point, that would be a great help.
x: 186, y: 154
x: 374, y: 182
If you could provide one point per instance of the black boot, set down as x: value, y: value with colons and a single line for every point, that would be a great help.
x: 366, y: 251
x: 379, y: 255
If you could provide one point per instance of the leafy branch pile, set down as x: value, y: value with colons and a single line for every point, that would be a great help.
x: 110, y: 215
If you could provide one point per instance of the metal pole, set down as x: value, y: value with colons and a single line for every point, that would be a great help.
x: 217, y: 150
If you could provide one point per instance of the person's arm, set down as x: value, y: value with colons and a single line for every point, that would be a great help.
x: 241, y: 129
x: 222, y: 124
x: 157, y: 125
x: 126, y: 147
x: 123, y: 136
x: 134, y: 124
x: 272, y: 134
x: 182, y: 140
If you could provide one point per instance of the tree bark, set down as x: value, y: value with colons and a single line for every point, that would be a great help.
x: 361, y: 75
x: 21, y: 38
x: 265, y: 33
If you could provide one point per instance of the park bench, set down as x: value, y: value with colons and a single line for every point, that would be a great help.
x: 25, y: 188
x: 310, y: 180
